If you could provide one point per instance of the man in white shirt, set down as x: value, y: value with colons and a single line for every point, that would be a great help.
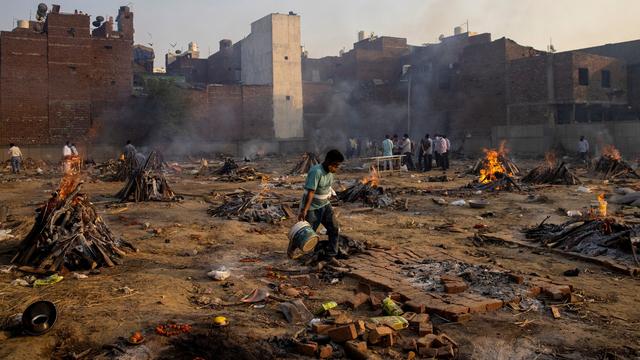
x: 407, y: 151
x: 437, y: 150
x: 446, y: 146
x: 16, y: 158
x: 66, y: 154
x: 583, y: 149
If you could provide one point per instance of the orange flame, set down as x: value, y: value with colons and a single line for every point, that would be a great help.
x: 71, y: 177
x: 550, y: 158
x: 611, y: 152
x: 373, y: 180
x: 492, y: 166
x: 602, y: 205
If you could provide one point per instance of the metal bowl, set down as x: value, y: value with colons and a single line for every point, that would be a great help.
x: 478, y: 204
x: 39, y: 317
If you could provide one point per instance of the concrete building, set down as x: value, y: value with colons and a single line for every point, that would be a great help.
x: 58, y: 79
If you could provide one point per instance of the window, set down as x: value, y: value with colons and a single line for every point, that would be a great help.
x: 564, y: 114
x: 606, y: 79
x: 583, y: 76
x: 288, y: 97
x: 286, y: 58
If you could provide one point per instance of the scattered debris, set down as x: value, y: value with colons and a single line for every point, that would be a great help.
x: 302, y: 167
x: 247, y: 206
x: 551, y: 172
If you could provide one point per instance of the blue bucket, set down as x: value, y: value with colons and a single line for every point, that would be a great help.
x: 302, y: 240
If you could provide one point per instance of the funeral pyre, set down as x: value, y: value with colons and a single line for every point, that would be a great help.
x: 230, y: 171
x: 308, y: 160
x: 496, y: 171
x: 368, y: 191
x: 147, y: 184
x: 593, y: 235
x: 251, y: 207
x: 551, y: 172
x: 68, y: 232
x: 611, y: 166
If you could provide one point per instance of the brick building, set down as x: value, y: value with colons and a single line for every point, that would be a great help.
x: 57, y: 77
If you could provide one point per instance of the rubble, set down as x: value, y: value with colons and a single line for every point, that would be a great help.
x: 368, y: 191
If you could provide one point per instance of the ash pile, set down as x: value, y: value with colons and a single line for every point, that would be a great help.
x: 307, y: 160
x: 451, y: 277
x: 247, y: 206
x: 147, y: 183
x: 611, y: 166
x: 69, y: 234
x: 367, y: 191
x: 551, y: 172
x: 593, y: 236
x: 496, y: 172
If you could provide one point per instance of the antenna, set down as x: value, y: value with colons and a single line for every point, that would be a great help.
x: 467, y: 23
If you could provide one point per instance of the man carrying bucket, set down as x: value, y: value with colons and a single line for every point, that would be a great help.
x: 315, y: 206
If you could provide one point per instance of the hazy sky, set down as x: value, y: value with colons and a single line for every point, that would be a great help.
x: 330, y: 25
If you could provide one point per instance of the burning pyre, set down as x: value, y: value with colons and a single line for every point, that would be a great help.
x: 551, y: 172
x: 308, y: 160
x: 593, y: 235
x: 495, y: 171
x: 611, y: 166
x: 367, y: 191
x: 68, y: 232
x: 147, y: 184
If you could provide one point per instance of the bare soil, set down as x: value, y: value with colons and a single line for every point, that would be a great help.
x: 179, y: 243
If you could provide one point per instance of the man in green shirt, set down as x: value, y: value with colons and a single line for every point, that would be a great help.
x: 315, y: 206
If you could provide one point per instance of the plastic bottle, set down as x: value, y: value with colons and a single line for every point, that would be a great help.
x: 391, y: 308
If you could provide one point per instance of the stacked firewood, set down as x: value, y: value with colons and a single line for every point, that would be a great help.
x: 502, y: 182
x: 308, y: 160
x: 228, y: 168
x: 147, y: 184
x: 591, y: 236
x: 507, y: 164
x: 608, y: 167
x: 367, y: 193
x: 69, y: 234
x: 247, y: 206
x: 549, y: 174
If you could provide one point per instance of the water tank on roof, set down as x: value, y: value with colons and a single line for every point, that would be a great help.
x: 23, y: 24
x: 193, y: 47
x: 360, y: 35
x: 225, y: 43
x: 457, y: 30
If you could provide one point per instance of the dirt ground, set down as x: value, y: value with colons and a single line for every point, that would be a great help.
x: 179, y: 243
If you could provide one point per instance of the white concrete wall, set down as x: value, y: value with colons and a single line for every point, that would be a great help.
x: 271, y: 56
x: 287, y: 76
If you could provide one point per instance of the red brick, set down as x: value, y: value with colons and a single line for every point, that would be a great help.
x: 414, y: 306
x: 320, y: 328
x: 557, y: 292
x: 377, y: 335
x: 455, y: 287
x: 418, y: 319
x: 357, y: 300
x: 307, y: 349
x: 343, y: 333
x: 325, y: 352
x: 426, y: 340
x: 356, y: 350
x: 425, y: 328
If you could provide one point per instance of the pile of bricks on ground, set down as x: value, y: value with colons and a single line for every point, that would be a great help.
x: 339, y: 335
x: 384, y: 269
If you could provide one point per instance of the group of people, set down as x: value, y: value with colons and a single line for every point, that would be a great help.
x: 429, y: 149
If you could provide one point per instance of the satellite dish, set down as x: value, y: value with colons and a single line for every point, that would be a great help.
x: 42, y: 11
x: 99, y: 18
x: 96, y: 23
x: 441, y: 37
x: 178, y: 52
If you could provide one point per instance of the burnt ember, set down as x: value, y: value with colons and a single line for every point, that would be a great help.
x: 251, y: 207
x: 147, y: 184
x: 308, y: 160
x: 368, y: 193
x: 557, y: 174
x: 591, y: 237
x: 500, y: 182
x: 228, y: 168
x: 69, y: 234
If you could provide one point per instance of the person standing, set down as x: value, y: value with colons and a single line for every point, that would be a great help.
x: 129, y: 150
x: 74, y: 150
x: 407, y: 151
x: 396, y: 145
x: 387, y: 150
x: 437, y: 150
x: 16, y: 158
x: 583, y: 149
x: 446, y: 147
x: 315, y: 206
x: 66, y: 156
x: 425, y: 153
